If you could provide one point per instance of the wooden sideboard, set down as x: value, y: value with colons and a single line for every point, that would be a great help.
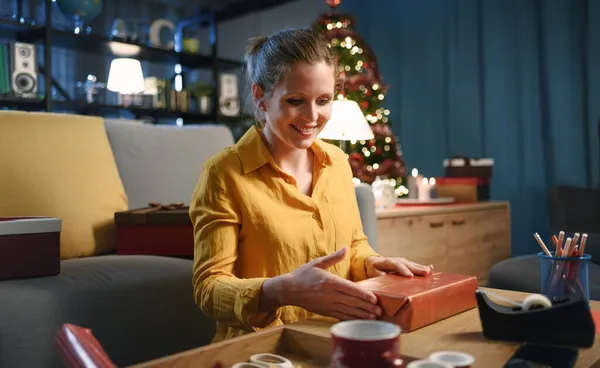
x: 463, y: 238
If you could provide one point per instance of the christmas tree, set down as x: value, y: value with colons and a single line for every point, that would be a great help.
x: 362, y: 82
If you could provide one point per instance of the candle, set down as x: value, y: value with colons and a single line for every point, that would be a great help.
x: 433, y: 192
x: 413, y: 183
x: 424, y: 191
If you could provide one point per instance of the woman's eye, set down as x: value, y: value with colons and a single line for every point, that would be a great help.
x: 323, y: 101
x: 294, y: 101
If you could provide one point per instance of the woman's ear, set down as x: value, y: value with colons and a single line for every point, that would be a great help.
x: 257, y: 94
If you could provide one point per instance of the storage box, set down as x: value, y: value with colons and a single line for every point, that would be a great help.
x: 156, y: 230
x: 29, y: 247
x: 463, y: 189
x: 415, y: 302
x: 465, y: 167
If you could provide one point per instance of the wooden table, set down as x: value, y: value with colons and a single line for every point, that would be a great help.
x: 462, y: 332
x: 309, y: 340
x: 448, y: 236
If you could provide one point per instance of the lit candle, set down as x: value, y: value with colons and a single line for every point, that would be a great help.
x: 424, y: 190
x: 433, y: 188
x: 413, y: 183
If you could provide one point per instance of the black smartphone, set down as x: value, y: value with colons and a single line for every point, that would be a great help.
x: 542, y: 356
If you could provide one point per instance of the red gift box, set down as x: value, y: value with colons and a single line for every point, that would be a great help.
x: 29, y: 247
x: 159, y: 230
x: 415, y: 302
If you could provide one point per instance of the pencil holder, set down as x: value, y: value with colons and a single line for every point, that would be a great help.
x: 564, y: 277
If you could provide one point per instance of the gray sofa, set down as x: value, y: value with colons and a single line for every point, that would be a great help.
x: 571, y: 209
x: 139, y: 307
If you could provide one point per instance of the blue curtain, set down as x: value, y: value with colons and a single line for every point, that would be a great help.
x: 516, y: 80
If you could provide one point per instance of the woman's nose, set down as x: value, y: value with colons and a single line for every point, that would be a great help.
x: 311, y: 113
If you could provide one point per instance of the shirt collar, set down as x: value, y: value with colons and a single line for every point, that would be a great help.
x: 254, y: 153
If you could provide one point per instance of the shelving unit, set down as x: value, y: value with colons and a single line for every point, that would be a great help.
x: 50, y: 37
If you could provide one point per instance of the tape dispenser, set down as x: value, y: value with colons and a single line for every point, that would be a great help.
x: 537, y: 320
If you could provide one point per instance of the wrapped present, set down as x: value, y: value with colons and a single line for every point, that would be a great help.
x: 464, y: 189
x: 466, y: 167
x: 79, y: 348
x: 159, y: 229
x: 415, y: 302
x: 29, y: 247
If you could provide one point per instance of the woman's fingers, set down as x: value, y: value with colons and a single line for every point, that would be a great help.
x: 344, y: 299
x: 352, y: 311
x: 341, y: 316
x: 418, y: 268
x: 350, y: 288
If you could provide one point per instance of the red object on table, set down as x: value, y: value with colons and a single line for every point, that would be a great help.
x: 79, y: 348
x: 160, y: 230
x: 415, y: 302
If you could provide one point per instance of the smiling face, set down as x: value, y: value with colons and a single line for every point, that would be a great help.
x: 298, y: 107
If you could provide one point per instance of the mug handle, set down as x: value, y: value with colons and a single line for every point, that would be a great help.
x: 391, y: 360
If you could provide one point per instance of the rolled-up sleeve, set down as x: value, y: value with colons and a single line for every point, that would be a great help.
x: 216, y: 219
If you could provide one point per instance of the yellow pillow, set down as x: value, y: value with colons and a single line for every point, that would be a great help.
x: 62, y: 166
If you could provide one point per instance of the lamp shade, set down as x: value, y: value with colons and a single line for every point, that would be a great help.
x: 347, y: 123
x: 125, y: 76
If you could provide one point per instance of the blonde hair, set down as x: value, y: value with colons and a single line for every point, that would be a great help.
x: 267, y: 59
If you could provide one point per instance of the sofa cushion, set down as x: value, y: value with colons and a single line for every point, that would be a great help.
x: 138, y: 307
x: 61, y: 166
x: 162, y: 163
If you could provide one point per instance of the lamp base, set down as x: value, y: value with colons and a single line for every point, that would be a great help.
x: 343, y: 145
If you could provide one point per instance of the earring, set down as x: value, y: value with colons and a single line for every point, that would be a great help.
x: 261, y: 106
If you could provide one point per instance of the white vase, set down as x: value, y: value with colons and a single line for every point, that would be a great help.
x: 383, y: 191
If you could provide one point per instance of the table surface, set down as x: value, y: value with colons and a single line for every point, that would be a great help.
x: 423, y: 210
x: 462, y: 332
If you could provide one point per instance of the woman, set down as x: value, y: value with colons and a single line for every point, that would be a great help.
x: 277, y: 230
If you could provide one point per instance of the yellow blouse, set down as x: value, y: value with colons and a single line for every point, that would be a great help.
x: 251, y: 223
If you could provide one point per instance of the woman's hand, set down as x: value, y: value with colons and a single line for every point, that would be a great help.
x: 313, y: 288
x: 377, y: 266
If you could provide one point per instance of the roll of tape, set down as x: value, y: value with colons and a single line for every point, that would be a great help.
x: 536, y: 301
x: 268, y: 360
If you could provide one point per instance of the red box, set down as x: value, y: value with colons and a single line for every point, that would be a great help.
x: 464, y: 189
x: 29, y: 247
x: 158, y: 231
x: 415, y: 302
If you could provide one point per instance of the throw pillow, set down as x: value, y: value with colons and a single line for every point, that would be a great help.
x: 61, y: 166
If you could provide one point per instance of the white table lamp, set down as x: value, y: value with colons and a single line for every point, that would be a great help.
x: 125, y: 76
x: 347, y: 123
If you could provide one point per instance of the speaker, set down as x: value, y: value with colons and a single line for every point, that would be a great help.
x: 229, y: 100
x: 24, y: 77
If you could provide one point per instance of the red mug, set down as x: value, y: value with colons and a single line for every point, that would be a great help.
x: 365, y: 343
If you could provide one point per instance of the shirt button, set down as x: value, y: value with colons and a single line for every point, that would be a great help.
x: 315, y: 216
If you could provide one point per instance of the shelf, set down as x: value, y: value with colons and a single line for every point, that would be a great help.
x: 83, y: 107
x: 13, y: 25
x: 22, y: 103
x: 95, y: 43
